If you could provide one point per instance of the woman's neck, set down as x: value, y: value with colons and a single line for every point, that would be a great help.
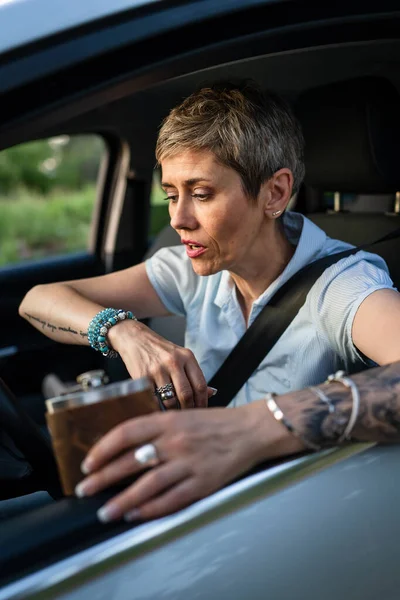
x: 254, y: 276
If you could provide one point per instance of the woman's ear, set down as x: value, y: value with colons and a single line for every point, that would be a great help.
x: 279, y: 191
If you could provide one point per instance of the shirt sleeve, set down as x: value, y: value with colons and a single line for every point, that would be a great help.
x: 171, y: 274
x: 337, y: 295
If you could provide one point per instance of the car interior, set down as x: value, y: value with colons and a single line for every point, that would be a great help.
x: 346, y: 96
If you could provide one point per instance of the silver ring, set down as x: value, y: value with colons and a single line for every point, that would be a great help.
x: 167, y: 395
x: 147, y: 455
x: 166, y: 389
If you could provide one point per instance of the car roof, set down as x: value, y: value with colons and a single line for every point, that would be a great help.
x: 26, y: 21
x: 51, y: 17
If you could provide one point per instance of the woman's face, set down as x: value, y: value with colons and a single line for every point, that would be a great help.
x: 216, y: 221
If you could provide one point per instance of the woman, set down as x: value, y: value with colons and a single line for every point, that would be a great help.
x: 231, y: 159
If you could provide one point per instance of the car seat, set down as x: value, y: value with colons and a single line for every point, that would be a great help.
x: 351, y: 130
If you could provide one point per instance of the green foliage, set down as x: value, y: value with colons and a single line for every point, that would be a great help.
x: 159, y: 218
x: 79, y: 162
x: 21, y: 166
x: 31, y: 227
x: 43, y: 165
x: 158, y: 196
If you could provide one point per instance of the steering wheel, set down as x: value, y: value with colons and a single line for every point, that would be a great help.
x: 19, y: 431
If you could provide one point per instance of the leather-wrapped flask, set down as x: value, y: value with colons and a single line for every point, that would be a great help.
x: 77, y: 421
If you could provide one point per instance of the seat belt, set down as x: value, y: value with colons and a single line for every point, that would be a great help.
x: 271, y: 323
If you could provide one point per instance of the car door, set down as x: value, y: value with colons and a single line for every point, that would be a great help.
x: 54, y: 194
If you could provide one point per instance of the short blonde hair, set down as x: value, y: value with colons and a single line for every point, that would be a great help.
x: 255, y: 134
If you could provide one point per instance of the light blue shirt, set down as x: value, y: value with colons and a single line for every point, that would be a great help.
x: 317, y: 342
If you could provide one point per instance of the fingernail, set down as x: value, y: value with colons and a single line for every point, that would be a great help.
x: 86, y: 466
x: 107, y: 513
x: 132, y: 515
x: 81, y: 490
x: 214, y: 391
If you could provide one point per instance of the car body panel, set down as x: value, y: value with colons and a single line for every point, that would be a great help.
x: 74, y: 21
x: 273, y: 534
x: 53, y: 17
x: 46, y: 17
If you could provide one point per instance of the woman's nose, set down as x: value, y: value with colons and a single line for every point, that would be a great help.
x: 182, y: 215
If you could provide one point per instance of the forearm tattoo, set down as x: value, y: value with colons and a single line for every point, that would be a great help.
x: 379, y: 415
x: 47, y: 325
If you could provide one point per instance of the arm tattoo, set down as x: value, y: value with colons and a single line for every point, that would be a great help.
x: 378, y: 419
x: 48, y: 325
x: 43, y: 323
x: 68, y: 330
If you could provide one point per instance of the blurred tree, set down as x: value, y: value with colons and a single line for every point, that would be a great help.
x: 20, y: 165
x: 61, y: 162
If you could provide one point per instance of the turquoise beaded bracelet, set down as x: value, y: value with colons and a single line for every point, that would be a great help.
x: 100, y: 325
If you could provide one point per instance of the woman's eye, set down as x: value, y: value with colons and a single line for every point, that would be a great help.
x: 201, y: 196
x: 171, y: 198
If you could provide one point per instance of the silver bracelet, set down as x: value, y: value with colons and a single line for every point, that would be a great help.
x: 340, y: 377
x: 324, y: 398
x: 280, y: 417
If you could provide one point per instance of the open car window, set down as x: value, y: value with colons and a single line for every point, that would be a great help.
x: 48, y: 191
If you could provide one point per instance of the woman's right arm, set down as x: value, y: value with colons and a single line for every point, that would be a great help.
x: 63, y: 311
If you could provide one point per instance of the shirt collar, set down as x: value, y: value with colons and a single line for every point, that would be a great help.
x: 309, y: 241
x: 225, y: 289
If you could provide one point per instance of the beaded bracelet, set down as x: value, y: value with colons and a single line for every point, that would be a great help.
x: 100, y: 325
x: 96, y: 323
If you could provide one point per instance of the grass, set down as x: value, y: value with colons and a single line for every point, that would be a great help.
x: 33, y: 226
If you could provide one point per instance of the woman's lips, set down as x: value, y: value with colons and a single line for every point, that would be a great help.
x: 193, y: 250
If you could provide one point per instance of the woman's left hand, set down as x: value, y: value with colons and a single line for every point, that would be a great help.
x: 198, y: 452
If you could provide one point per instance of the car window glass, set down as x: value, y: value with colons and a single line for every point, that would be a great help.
x: 159, y: 215
x: 47, y: 194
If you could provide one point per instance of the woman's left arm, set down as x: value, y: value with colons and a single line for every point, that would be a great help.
x: 201, y: 450
x: 376, y: 326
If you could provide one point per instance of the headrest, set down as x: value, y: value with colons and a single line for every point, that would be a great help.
x: 352, y: 136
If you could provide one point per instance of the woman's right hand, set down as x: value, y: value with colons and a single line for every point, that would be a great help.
x: 147, y: 354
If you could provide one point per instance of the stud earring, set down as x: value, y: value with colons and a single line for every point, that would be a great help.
x: 277, y: 212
